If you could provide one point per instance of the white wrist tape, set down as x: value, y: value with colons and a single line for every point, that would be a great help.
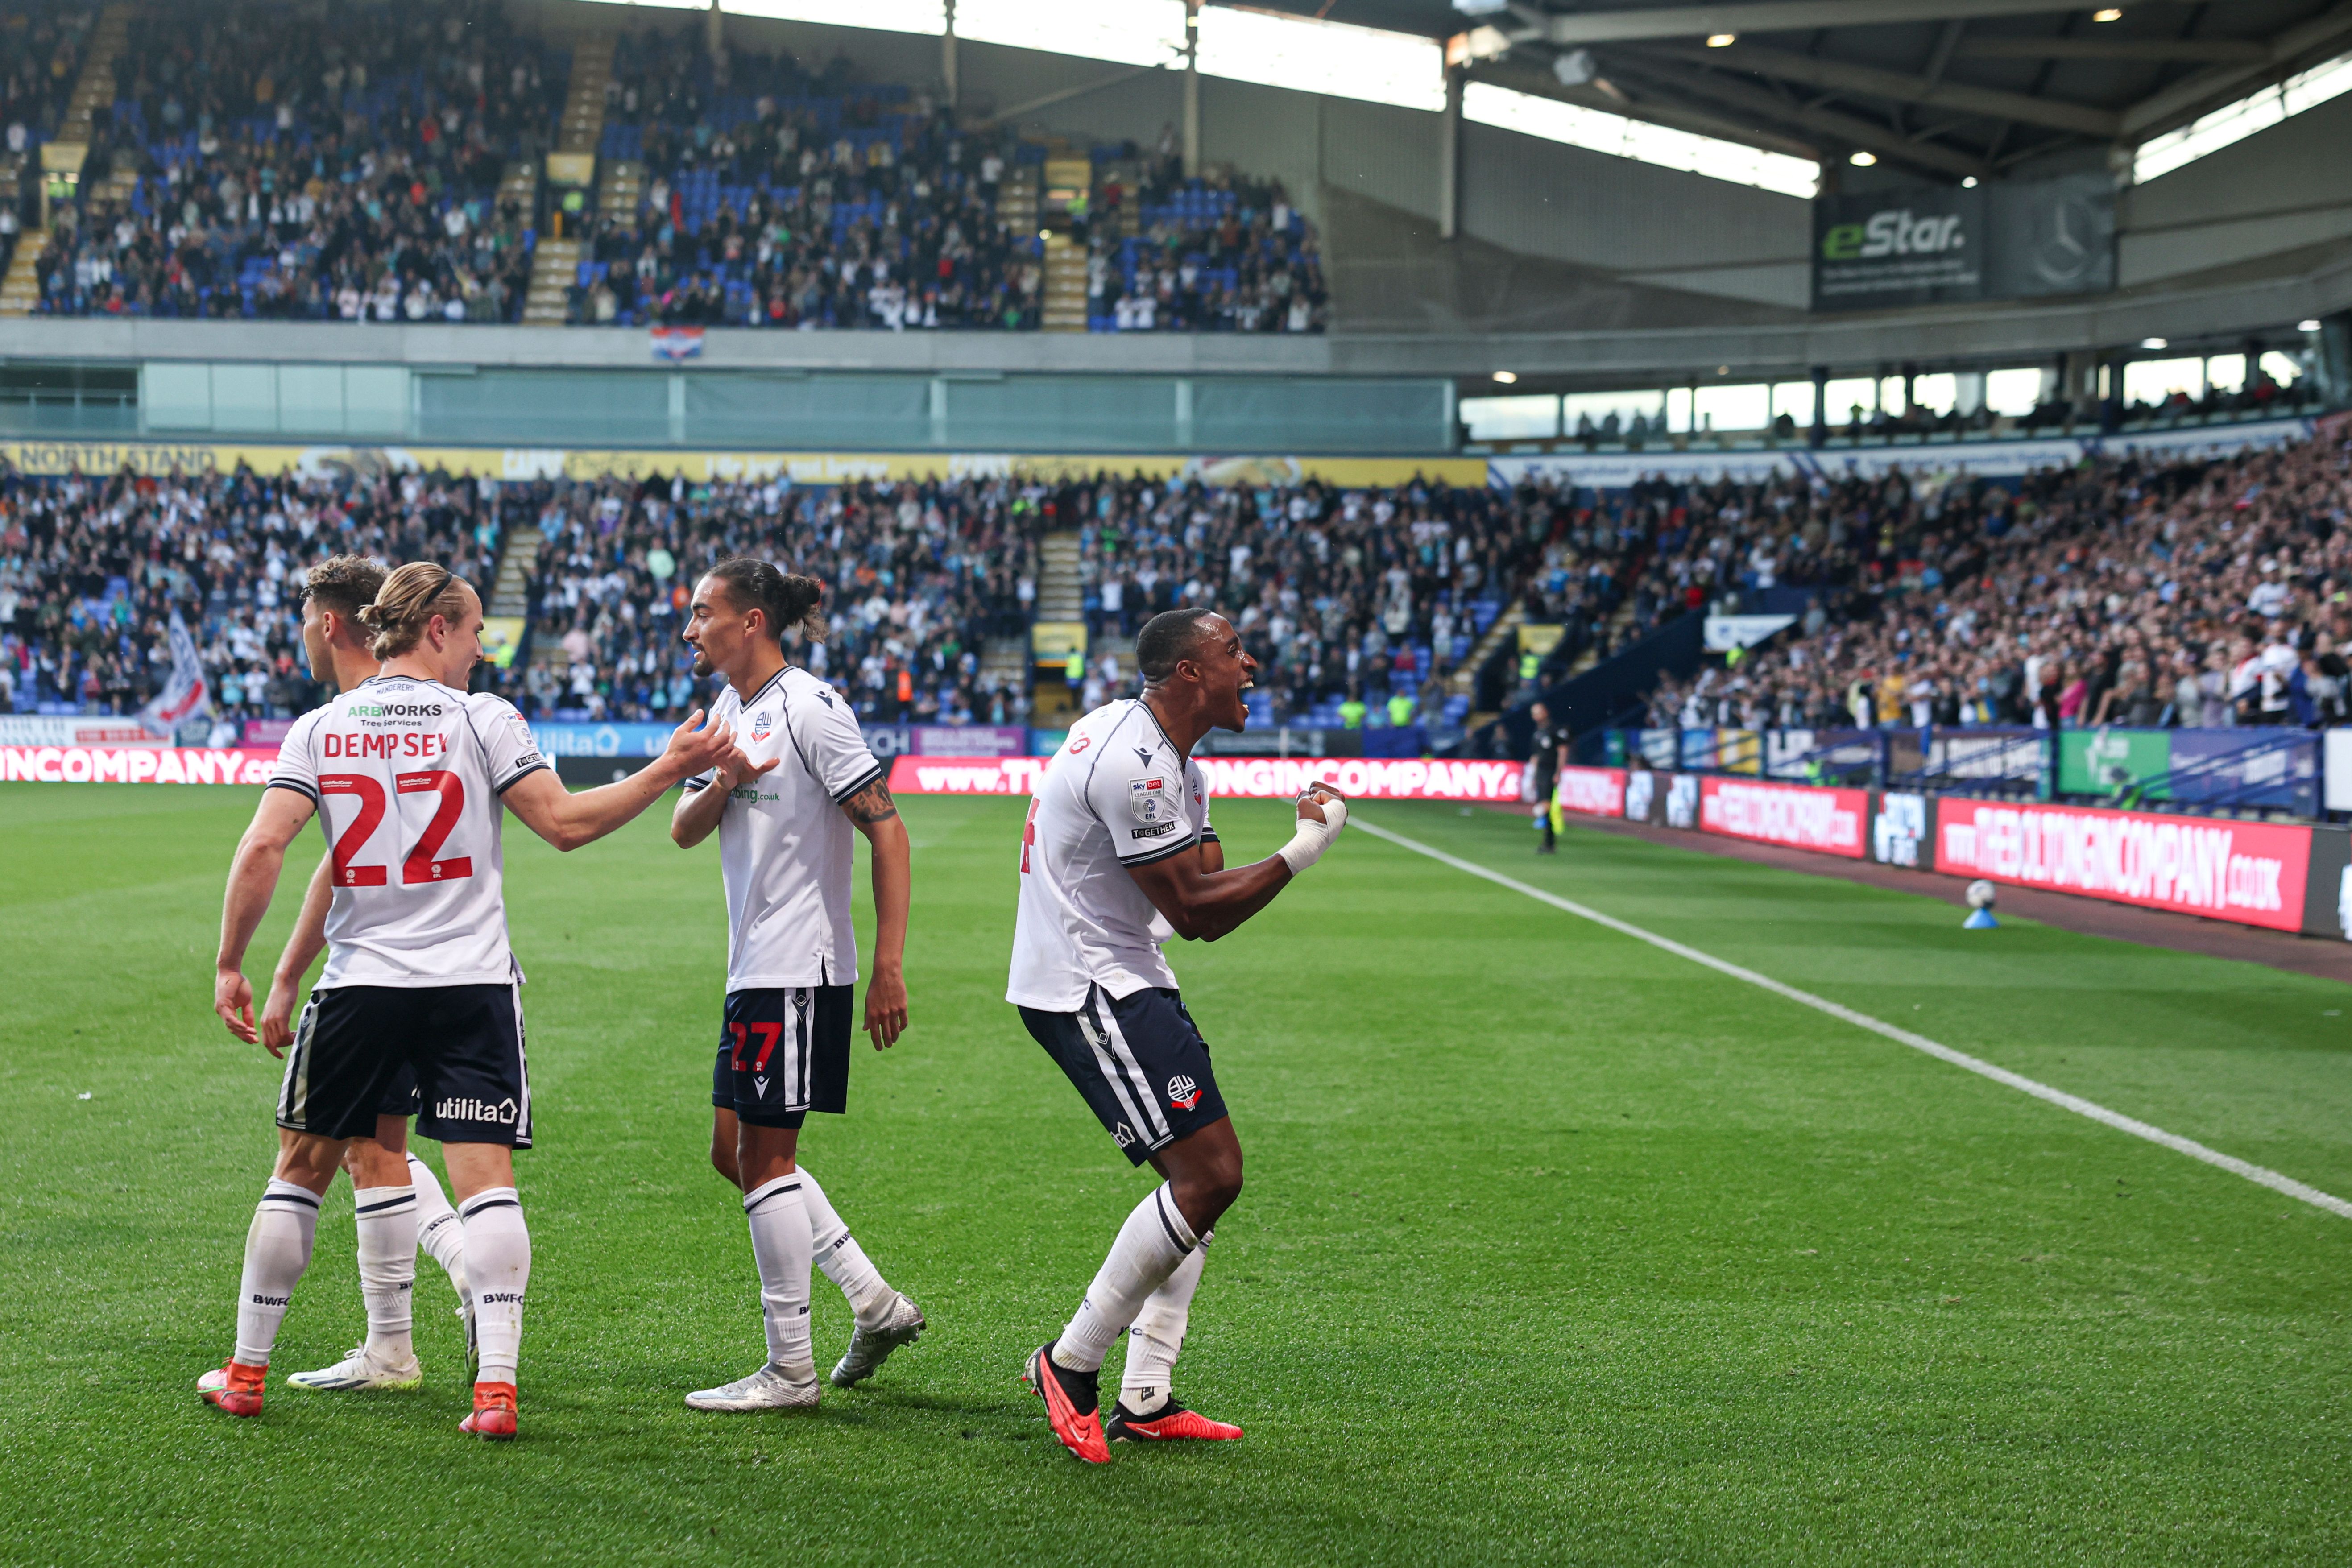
x: 1313, y: 837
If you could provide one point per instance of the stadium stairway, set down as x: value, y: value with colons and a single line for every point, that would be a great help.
x: 510, y: 594
x: 1464, y: 681
x: 1017, y: 199
x: 1068, y: 181
x: 22, y: 288
x: 620, y: 185
x: 553, y: 267
x: 518, y: 186
x: 1059, y: 595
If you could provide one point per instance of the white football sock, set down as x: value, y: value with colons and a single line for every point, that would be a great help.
x: 277, y: 1250
x: 440, y: 1236
x: 844, y: 1261
x: 497, y: 1256
x: 387, y: 1221
x: 1157, y: 1336
x: 780, y: 1245
x: 1152, y: 1243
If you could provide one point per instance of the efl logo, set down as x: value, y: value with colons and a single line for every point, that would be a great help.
x: 1183, y: 1092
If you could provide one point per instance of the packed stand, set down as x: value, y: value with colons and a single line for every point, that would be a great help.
x: 780, y: 198
x: 919, y: 578
x: 1215, y: 255
x: 92, y: 571
x: 1359, y: 604
x: 2132, y: 593
x: 263, y: 166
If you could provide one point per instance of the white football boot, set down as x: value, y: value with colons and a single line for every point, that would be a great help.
x: 766, y: 1389
x: 869, y: 1348
x: 358, y: 1370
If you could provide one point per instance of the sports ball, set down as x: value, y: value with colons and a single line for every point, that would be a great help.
x: 1980, y: 894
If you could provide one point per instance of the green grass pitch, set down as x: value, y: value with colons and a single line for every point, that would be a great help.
x: 1556, y: 1247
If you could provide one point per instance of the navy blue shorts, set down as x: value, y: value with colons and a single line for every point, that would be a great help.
x: 1139, y: 1061
x: 458, y: 1049
x: 784, y: 1053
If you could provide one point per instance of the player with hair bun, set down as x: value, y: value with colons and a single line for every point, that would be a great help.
x: 783, y: 812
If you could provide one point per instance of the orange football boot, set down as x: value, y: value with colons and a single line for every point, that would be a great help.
x: 1080, y: 1431
x: 494, y: 1412
x: 1169, y: 1422
x: 235, y: 1388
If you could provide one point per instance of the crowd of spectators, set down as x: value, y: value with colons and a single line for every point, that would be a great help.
x: 93, y: 569
x: 2131, y: 592
x: 1219, y: 254
x: 255, y: 163
x: 780, y: 198
x: 919, y: 578
x: 42, y: 43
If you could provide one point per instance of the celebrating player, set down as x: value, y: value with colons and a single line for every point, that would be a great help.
x: 409, y: 771
x: 381, y: 1167
x: 1117, y: 856
x: 784, y: 807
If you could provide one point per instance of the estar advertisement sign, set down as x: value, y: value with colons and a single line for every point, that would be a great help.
x: 2250, y: 872
x: 1243, y: 778
x: 137, y: 764
x: 1596, y: 792
x: 1833, y: 821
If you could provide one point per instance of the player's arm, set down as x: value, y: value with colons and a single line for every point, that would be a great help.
x: 310, y: 935
x: 568, y: 820
x: 698, y: 811
x: 252, y: 879
x: 1206, y: 903
x: 872, y: 812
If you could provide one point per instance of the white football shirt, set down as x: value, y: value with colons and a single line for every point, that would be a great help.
x: 407, y: 774
x: 786, y: 848
x: 1116, y: 794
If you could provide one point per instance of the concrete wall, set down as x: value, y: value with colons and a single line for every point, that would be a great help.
x: 2288, y: 186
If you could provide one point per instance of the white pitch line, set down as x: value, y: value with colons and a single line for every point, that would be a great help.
x: 2058, y: 1097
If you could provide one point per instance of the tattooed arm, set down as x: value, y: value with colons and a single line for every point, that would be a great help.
x: 870, y: 809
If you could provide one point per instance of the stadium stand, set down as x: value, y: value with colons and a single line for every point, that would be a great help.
x: 92, y: 572
x: 250, y: 166
x: 2190, y: 593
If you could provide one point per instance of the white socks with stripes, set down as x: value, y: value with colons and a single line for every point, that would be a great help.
x: 277, y: 1250
x: 497, y: 1258
x: 439, y: 1234
x: 780, y: 1245
x: 385, y: 1218
x: 844, y: 1261
x: 1157, y: 1336
x: 1152, y: 1245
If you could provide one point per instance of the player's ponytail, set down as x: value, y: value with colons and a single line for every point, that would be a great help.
x: 786, y: 598
x: 406, y: 604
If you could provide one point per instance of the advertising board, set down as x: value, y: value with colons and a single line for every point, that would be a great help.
x: 1244, y: 778
x: 1897, y: 828
x: 2251, y: 872
x: 40, y: 730
x: 1596, y: 792
x: 137, y: 764
x: 1829, y: 820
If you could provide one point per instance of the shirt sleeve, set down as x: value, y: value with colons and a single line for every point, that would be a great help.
x: 298, y: 758
x: 832, y: 744
x: 1141, y: 805
x: 1200, y: 792
x: 508, y: 749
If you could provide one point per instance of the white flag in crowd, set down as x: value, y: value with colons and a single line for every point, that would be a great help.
x: 185, y: 694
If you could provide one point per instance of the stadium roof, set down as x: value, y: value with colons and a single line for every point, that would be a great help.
x: 1950, y: 89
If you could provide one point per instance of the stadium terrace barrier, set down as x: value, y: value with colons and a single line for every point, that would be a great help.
x: 2291, y: 876
x: 137, y: 764
x: 1245, y: 778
